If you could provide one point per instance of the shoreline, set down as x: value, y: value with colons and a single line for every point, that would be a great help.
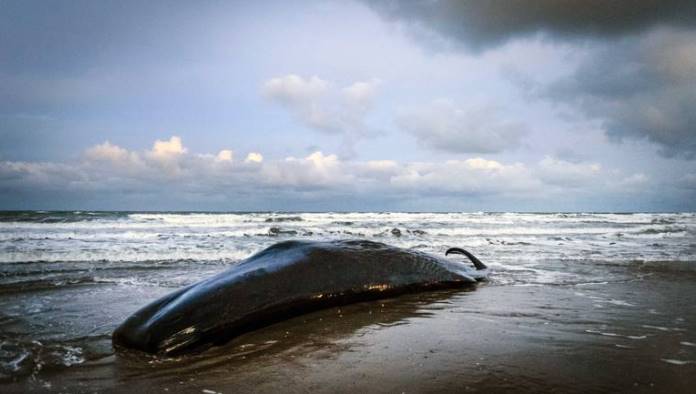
x: 633, y: 335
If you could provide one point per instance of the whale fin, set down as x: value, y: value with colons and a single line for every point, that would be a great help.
x: 477, y: 263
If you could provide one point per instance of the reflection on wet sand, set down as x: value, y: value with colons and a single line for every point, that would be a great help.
x: 324, y: 332
x: 322, y: 335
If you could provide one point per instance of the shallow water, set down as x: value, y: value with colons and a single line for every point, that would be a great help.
x: 576, y: 302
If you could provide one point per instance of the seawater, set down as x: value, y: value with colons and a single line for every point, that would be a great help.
x: 68, y: 278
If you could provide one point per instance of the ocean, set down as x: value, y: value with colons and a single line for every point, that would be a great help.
x: 610, y: 297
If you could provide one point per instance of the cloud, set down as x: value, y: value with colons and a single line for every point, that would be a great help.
x: 640, y: 87
x: 294, y: 90
x: 361, y: 93
x: 319, y: 105
x: 444, y: 126
x: 106, y: 157
x: 688, y: 181
x: 225, y: 155
x: 635, y: 180
x: 637, y: 76
x: 563, y: 173
x: 42, y: 174
x: 253, y: 157
x: 107, y: 151
x: 380, y: 170
x: 108, y: 171
x: 483, y: 24
x: 471, y: 177
x: 315, y: 171
x: 167, y: 149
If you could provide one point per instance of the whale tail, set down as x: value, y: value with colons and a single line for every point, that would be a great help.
x: 477, y: 263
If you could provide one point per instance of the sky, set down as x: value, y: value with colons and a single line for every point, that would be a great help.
x: 432, y: 105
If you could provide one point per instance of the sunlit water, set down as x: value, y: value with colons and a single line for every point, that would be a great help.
x: 68, y: 278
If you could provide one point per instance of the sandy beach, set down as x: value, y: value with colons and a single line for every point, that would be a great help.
x: 636, y: 335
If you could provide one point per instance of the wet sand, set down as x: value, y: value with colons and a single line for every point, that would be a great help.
x: 632, y: 335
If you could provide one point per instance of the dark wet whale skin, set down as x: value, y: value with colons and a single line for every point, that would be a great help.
x: 287, y: 279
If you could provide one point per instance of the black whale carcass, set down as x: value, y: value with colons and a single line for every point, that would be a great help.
x: 285, y: 280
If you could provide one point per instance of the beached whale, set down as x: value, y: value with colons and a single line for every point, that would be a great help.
x: 285, y: 280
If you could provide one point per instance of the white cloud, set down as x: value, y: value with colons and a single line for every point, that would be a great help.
x: 295, y: 90
x: 445, y: 126
x: 317, y: 104
x: 361, y: 93
x: 168, y: 149
x: 225, y: 155
x: 318, y: 176
x: 253, y: 157
x: 107, y: 151
x: 107, y: 155
x: 469, y: 177
x: 483, y: 164
x: 382, y: 165
x: 320, y: 161
x: 563, y: 173
x: 315, y: 170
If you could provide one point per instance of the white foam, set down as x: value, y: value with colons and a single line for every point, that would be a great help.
x: 606, y: 334
x: 677, y: 362
x: 619, y: 302
x: 659, y: 328
x: 72, y: 355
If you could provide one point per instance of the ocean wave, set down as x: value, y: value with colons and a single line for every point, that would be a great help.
x: 682, y: 267
x: 281, y: 219
x: 199, y: 236
x: 24, y: 286
x: 663, y: 230
x: 58, y: 216
x: 130, y: 278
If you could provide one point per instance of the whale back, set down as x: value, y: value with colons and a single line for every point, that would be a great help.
x: 285, y: 280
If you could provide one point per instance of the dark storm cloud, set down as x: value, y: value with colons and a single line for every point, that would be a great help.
x: 639, y: 79
x: 641, y: 87
x: 486, y: 23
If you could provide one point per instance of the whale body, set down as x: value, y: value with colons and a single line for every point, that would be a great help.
x: 285, y: 280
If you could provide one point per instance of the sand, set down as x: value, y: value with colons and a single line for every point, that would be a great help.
x: 637, y: 335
